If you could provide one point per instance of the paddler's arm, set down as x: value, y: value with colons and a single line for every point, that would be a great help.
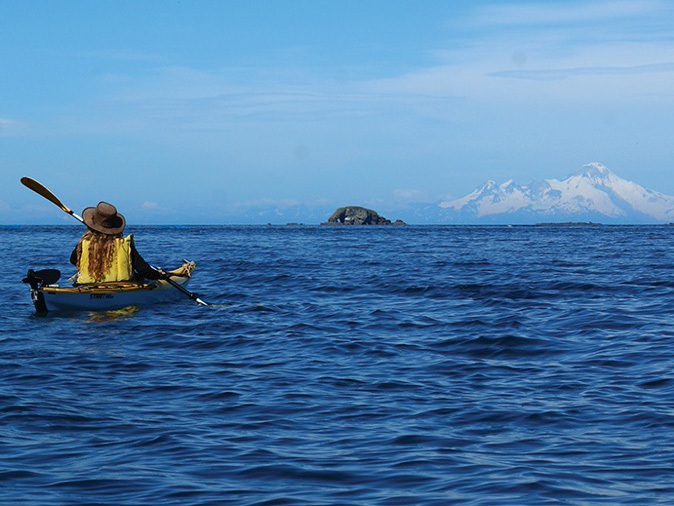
x: 73, y: 257
x: 141, y: 268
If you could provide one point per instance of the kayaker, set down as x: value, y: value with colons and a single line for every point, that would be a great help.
x: 103, y: 254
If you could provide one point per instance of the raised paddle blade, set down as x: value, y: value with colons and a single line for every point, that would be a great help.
x: 40, y: 189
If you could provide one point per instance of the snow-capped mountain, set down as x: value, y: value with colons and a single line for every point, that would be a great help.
x: 593, y: 193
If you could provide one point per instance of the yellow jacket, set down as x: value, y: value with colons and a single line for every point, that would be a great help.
x: 121, y: 268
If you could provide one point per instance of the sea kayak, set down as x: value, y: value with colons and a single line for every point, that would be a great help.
x: 48, y: 296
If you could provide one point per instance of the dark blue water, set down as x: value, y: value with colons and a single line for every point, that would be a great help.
x: 356, y: 366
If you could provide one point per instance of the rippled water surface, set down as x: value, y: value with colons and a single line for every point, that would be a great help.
x: 352, y: 366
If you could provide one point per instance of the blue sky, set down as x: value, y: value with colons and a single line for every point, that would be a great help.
x: 204, y: 111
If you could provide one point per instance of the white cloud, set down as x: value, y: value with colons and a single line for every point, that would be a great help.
x: 154, y: 207
x: 410, y: 194
x: 252, y: 204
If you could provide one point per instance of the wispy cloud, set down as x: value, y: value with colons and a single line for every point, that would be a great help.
x: 517, y: 52
x: 556, y: 13
x: 264, y: 203
x: 556, y: 74
x: 616, y: 48
x: 172, y: 99
x: 152, y: 208
x: 123, y: 56
x: 7, y: 125
x: 410, y: 194
x: 525, y: 41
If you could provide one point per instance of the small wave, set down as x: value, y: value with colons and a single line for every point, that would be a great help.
x: 504, y: 346
x: 289, y: 472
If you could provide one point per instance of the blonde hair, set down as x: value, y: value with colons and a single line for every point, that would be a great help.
x: 101, y: 252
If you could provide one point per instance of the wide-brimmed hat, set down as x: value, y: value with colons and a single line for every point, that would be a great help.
x: 104, y: 218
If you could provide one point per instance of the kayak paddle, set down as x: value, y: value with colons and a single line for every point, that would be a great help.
x: 40, y: 189
x: 40, y: 278
x: 191, y: 295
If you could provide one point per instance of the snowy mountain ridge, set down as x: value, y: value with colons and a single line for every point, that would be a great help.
x: 593, y: 191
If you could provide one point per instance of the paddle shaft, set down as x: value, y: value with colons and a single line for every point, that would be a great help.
x: 40, y: 189
x: 180, y: 287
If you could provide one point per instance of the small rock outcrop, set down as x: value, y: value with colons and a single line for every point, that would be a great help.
x: 355, y: 215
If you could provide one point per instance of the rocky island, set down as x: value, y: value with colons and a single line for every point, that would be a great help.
x: 356, y: 215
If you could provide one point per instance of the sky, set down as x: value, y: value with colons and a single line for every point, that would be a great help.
x: 205, y: 112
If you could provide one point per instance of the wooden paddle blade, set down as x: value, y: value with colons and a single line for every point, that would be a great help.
x: 42, y: 190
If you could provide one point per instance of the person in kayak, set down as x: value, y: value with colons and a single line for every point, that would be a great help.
x: 103, y: 254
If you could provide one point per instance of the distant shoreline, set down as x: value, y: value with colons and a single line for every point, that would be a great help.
x: 568, y: 224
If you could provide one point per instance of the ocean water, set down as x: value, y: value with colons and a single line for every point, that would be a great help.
x: 350, y: 366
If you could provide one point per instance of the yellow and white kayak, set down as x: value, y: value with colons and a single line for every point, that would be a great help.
x: 48, y: 297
